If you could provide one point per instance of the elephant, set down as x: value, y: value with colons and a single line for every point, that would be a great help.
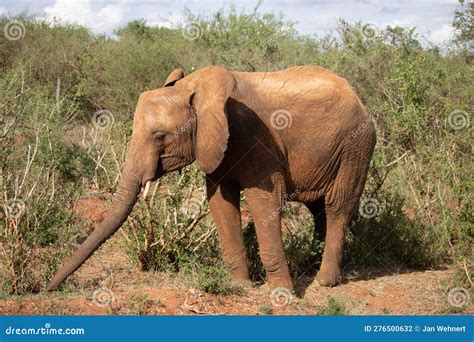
x: 300, y: 134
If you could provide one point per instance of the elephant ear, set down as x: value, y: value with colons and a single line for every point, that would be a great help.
x: 175, y: 75
x: 212, y: 87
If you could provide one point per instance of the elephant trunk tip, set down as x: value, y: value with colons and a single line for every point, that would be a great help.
x: 54, y: 283
x: 51, y: 288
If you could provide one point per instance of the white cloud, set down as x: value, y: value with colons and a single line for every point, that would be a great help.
x: 432, y: 18
x: 320, y: 22
x: 407, y: 21
x: 81, y: 12
x: 171, y: 21
x: 441, y: 35
x: 450, y: 2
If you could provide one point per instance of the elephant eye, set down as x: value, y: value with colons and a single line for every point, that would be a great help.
x: 158, y: 136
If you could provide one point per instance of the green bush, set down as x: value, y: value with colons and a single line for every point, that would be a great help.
x: 215, y: 279
x: 38, y: 183
x: 51, y: 154
x: 333, y: 307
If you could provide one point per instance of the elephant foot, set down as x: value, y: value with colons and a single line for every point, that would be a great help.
x: 329, y: 276
x: 281, y: 282
x: 240, y: 279
x: 239, y: 275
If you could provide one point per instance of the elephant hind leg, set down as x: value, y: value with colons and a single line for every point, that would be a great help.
x: 330, y: 271
x: 339, y: 212
x: 318, y: 210
x: 340, y: 204
x: 342, y: 200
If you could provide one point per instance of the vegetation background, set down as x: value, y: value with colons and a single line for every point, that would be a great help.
x: 67, y: 99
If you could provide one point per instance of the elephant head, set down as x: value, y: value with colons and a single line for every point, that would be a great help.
x: 173, y: 126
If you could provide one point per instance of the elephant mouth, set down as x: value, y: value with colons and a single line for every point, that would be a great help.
x: 171, y: 162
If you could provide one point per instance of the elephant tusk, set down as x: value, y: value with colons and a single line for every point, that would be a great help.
x: 147, y: 187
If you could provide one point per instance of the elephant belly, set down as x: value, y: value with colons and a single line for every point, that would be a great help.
x: 313, y: 164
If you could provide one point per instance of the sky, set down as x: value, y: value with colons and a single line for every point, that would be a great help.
x: 432, y: 18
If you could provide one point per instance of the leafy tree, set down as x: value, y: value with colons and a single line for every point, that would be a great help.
x: 464, y: 23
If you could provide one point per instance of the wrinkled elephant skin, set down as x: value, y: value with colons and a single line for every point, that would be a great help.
x: 300, y: 134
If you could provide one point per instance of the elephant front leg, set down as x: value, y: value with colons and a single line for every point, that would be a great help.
x: 265, y: 208
x: 224, y: 202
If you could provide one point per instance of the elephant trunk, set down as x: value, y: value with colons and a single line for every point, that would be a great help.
x: 122, y: 204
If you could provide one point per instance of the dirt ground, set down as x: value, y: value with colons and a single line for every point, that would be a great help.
x: 109, y: 284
